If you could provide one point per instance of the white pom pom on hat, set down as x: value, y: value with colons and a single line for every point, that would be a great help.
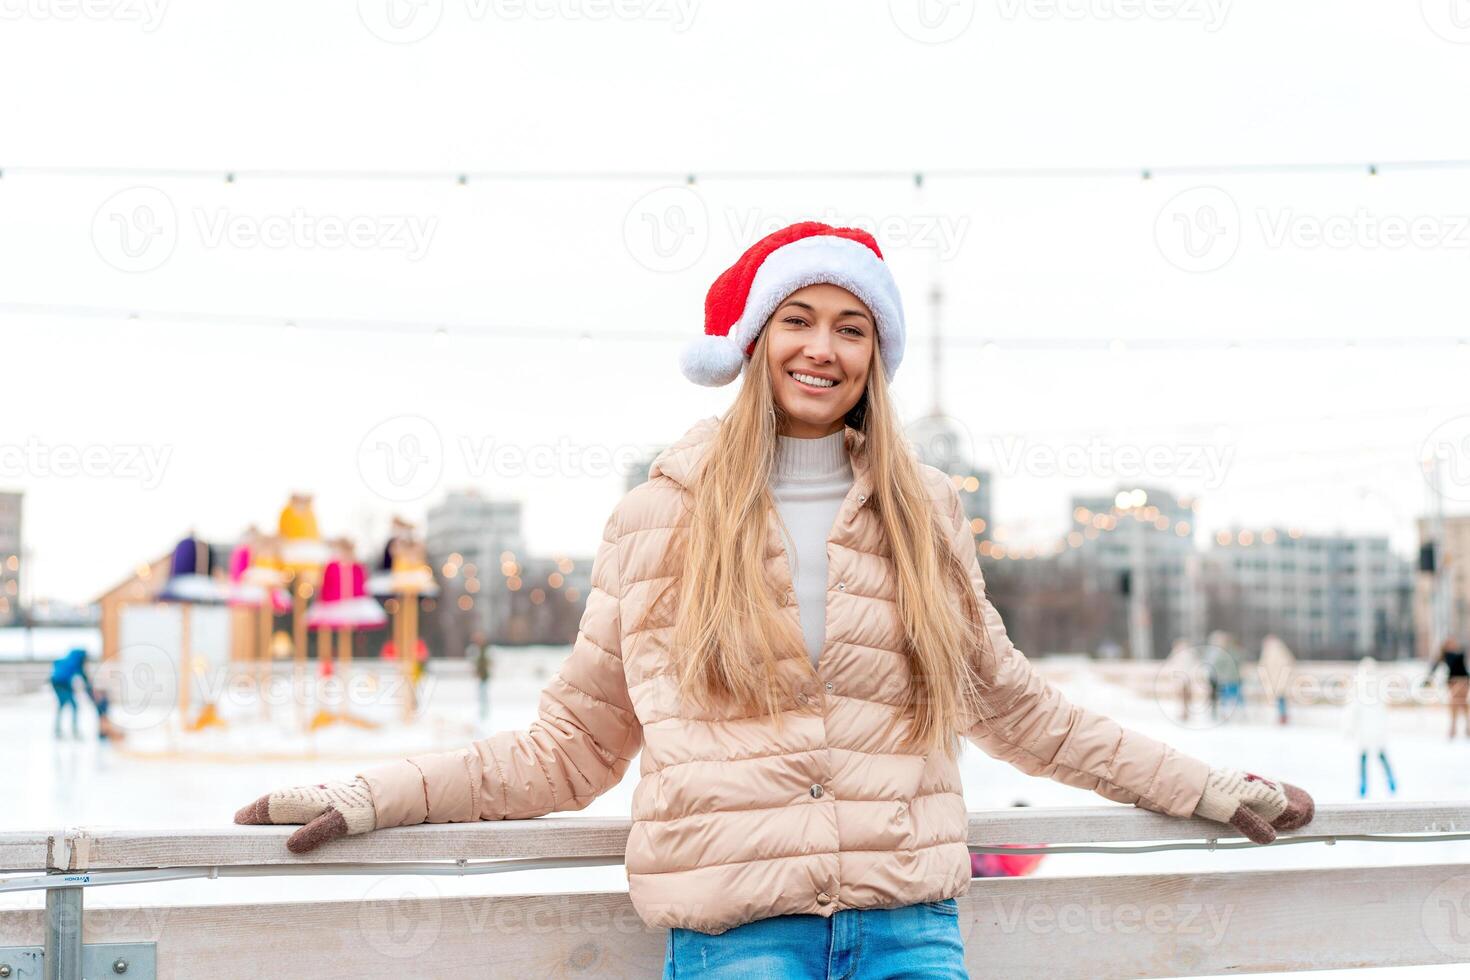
x: 745, y: 295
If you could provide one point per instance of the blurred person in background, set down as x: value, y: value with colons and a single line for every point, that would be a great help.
x: 1276, y: 668
x: 1452, y: 658
x: 1224, y: 667
x: 478, y: 653
x: 1365, y: 720
x: 1180, y: 669
x: 65, y: 671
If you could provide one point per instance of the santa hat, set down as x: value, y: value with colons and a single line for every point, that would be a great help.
x: 745, y: 295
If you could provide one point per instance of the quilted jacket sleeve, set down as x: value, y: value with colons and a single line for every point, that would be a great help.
x: 1034, y: 728
x: 582, y: 741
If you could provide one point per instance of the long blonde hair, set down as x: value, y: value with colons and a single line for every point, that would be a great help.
x: 729, y: 630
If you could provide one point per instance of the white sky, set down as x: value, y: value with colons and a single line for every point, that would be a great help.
x: 235, y: 415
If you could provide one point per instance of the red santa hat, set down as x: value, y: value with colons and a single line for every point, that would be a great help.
x: 745, y: 295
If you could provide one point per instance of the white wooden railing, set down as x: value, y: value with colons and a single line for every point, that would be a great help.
x: 1109, y: 925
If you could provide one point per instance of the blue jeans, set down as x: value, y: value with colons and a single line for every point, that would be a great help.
x: 920, y: 940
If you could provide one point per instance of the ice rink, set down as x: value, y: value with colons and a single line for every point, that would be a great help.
x: 55, y: 783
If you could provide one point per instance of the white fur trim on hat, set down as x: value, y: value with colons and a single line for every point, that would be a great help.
x: 711, y: 360
x: 832, y: 259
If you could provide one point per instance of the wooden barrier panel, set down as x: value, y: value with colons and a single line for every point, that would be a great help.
x: 25, y: 851
x: 1046, y: 928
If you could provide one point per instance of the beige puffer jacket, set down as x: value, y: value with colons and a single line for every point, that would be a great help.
x: 732, y: 821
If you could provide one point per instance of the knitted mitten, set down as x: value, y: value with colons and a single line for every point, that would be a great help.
x: 1253, y: 805
x: 329, y: 810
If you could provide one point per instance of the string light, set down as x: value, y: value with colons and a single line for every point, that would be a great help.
x: 984, y: 346
x: 917, y: 178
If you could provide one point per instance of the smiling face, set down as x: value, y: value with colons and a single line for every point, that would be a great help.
x: 820, y: 348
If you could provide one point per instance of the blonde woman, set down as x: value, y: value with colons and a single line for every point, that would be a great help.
x: 788, y: 620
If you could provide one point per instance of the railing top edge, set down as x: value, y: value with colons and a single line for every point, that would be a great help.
x: 99, y: 847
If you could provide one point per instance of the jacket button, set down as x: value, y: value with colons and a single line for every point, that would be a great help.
x: 823, y: 898
x: 841, y: 586
x: 816, y: 790
x: 829, y: 685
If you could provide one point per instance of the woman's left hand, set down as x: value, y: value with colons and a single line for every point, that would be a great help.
x: 327, y: 811
x: 1254, y: 805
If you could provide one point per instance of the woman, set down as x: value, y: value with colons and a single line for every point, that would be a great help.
x: 789, y: 620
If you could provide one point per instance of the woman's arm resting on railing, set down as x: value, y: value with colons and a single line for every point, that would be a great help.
x: 579, y: 746
x: 1037, y: 730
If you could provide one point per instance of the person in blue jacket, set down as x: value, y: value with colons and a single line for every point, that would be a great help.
x: 64, y: 672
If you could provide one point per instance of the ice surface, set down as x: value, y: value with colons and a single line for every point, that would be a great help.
x: 69, y: 782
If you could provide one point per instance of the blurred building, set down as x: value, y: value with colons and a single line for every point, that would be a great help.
x: 638, y: 472
x: 466, y: 535
x: 944, y: 444
x: 1335, y: 596
x: 546, y: 597
x: 1140, y: 540
x: 1447, y: 559
x: 9, y: 557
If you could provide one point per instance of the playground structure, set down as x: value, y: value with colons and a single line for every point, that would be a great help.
x: 233, y: 652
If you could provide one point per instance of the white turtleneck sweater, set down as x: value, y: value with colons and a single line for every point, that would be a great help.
x: 810, y: 480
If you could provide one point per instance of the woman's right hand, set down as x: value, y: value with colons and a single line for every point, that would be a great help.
x: 328, y: 811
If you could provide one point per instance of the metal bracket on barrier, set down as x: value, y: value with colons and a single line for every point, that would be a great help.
x: 100, y: 961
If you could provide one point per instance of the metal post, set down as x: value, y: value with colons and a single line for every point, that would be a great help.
x: 63, y: 959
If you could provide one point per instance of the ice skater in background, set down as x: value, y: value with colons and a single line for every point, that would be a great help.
x: 479, y: 651
x: 1224, y: 670
x: 64, y: 672
x: 1365, y: 721
x: 1275, y: 670
x: 1452, y: 655
x: 104, y: 690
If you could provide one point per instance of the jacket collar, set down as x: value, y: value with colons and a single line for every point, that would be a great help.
x: 680, y: 461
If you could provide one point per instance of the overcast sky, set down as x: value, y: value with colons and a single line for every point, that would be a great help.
x: 519, y: 326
